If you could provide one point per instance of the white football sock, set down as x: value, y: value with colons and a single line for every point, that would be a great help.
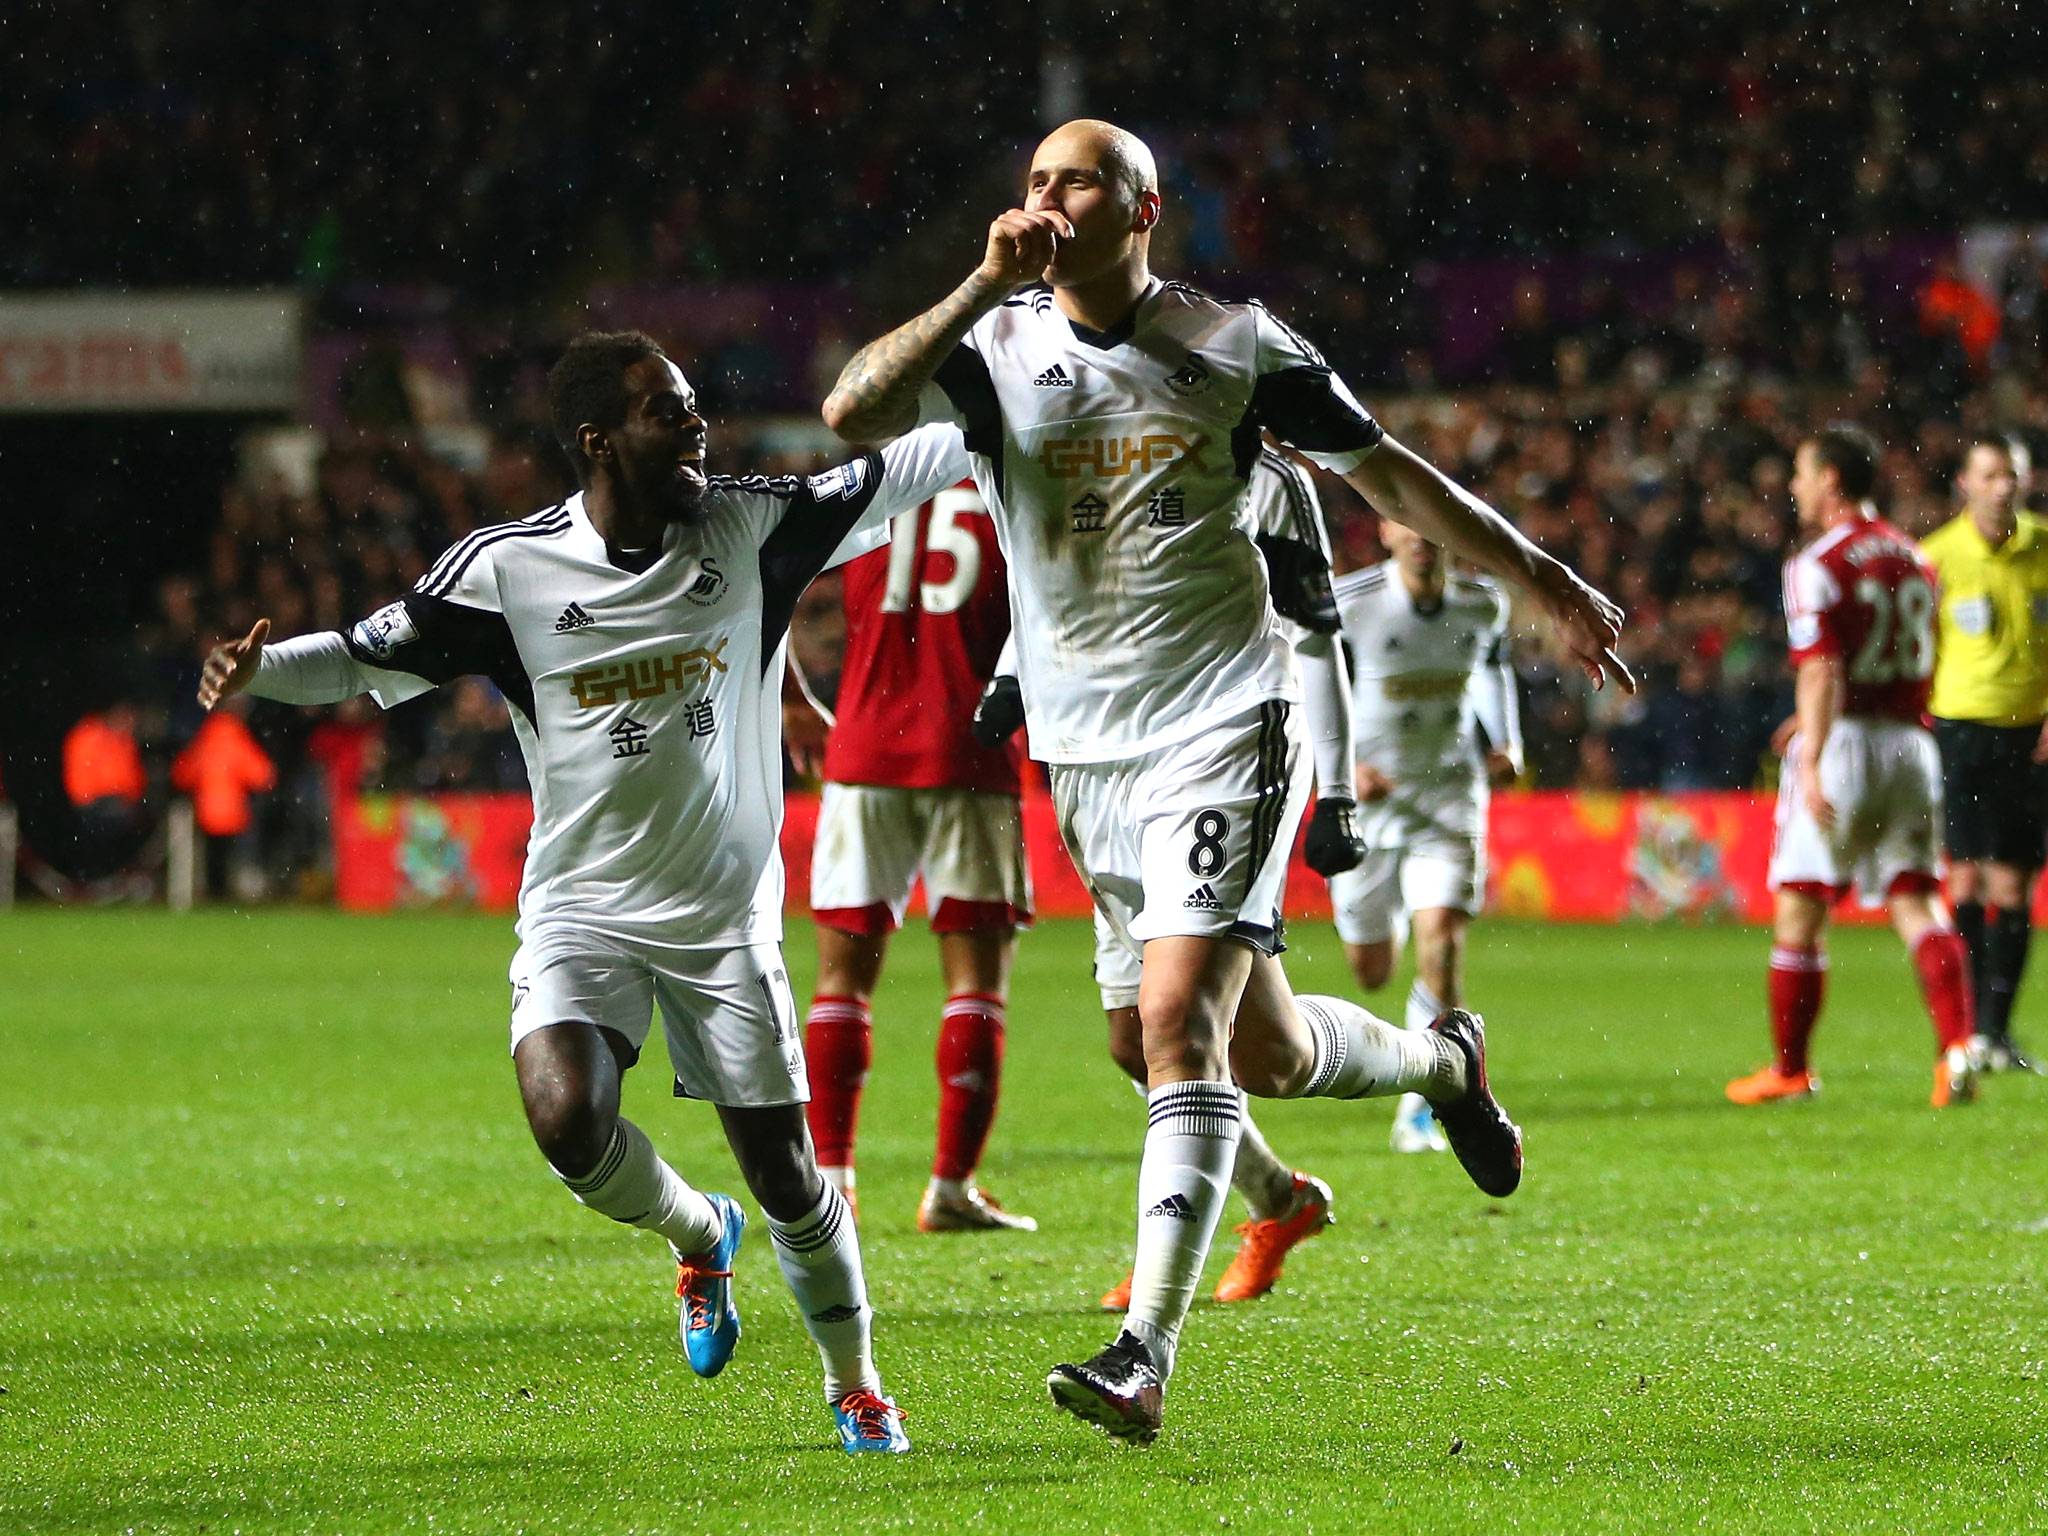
x: 820, y: 1258
x: 1423, y: 1007
x: 839, y: 1178
x: 1190, y: 1143
x: 1264, y: 1182
x: 1361, y: 1056
x: 632, y: 1185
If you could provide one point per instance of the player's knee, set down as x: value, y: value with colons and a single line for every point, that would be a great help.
x: 1268, y: 1065
x: 1371, y: 964
x: 1127, y: 1043
x: 1180, y: 1038
x: 571, y: 1126
x: 783, y: 1179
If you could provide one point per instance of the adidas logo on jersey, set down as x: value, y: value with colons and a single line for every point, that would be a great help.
x: 1054, y: 377
x: 1203, y: 899
x: 1177, y: 1206
x: 573, y: 617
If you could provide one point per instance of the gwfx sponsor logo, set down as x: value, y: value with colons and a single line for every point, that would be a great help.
x: 1424, y: 685
x: 1111, y: 458
x: 647, y: 678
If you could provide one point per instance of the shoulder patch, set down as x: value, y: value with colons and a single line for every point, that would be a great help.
x: 841, y: 481
x: 384, y: 631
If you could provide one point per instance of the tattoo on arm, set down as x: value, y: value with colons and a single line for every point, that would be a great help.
x: 876, y: 396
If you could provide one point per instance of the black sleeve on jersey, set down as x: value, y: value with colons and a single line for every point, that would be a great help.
x: 810, y: 530
x: 1301, y: 406
x: 448, y: 640
x: 964, y: 376
x: 1301, y: 583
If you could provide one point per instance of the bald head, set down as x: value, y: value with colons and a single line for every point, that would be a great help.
x: 1124, y: 159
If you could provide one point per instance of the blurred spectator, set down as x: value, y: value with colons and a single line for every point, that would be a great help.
x: 105, y: 781
x: 221, y: 768
x: 470, y: 745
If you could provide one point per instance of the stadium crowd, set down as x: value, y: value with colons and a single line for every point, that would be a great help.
x: 1705, y: 228
x: 783, y: 142
x: 1675, y: 499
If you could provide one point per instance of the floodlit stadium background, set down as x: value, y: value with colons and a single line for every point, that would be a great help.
x: 279, y: 290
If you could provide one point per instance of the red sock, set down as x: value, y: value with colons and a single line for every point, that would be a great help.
x: 970, y: 1062
x: 1943, y: 962
x: 1799, y: 979
x: 838, y: 1046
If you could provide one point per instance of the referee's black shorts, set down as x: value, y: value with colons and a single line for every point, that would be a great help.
x: 1994, y: 795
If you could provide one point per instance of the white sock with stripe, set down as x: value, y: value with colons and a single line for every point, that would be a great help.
x: 1423, y: 1008
x: 633, y: 1186
x: 1190, y: 1144
x: 820, y: 1258
x: 1358, y: 1055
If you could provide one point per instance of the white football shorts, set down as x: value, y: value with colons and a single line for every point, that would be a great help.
x: 728, y: 1014
x: 875, y: 841
x: 1118, y: 966
x: 1883, y: 778
x: 1193, y: 838
x: 1371, y: 900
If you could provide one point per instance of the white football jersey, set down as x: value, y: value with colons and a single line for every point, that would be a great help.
x: 645, y: 690
x: 1115, y: 466
x: 1420, y: 681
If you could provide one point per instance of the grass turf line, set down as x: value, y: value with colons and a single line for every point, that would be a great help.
x: 277, y: 1254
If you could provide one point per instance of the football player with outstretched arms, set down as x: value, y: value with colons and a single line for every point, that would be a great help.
x: 1859, y: 803
x: 638, y: 631
x: 909, y: 795
x: 1112, y: 420
x: 1429, y: 673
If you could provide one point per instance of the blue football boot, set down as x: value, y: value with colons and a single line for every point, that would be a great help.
x: 710, y: 1321
x: 869, y: 1421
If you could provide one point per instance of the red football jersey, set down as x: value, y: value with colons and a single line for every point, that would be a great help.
x: 926, y: 618
x: 1861, y: 592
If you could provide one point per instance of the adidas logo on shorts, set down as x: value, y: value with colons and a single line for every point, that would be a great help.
x: 573, y: 617
x: 1203, y: 899
x: 1054, y: 377
x: 1176, y: 1206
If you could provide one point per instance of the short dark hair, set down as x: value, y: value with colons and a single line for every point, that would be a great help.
x: 1997, y: 442
x: 588, y: 383
x: 1852, y: 454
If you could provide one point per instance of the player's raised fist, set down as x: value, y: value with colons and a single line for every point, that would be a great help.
x: 229, y: 666
x: 1021, y: 245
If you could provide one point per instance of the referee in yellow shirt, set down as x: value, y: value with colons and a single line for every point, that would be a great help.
x: 1990, y: 697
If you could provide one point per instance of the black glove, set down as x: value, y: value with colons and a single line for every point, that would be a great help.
x: 1000, y: 711
x: 1333, y: 842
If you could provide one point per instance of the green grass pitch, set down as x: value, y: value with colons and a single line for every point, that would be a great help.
x: 277, y: 1255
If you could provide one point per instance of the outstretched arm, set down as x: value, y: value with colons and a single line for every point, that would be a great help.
x: 306, y: 669
x: 876, y: 396
x: 1414, y: 493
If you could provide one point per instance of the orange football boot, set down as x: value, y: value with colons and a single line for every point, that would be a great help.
x: 1955, y: 1077
x: 1769, y: 1084
x: 1118, y: 1297
x: 1266, y: 1243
